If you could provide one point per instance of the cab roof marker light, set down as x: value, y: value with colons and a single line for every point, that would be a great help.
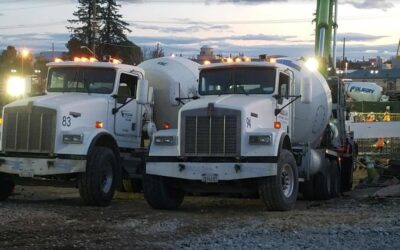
x: 238, y: 60
x: 92, y: 59
x: 77, y: 59
x: 58, y: 60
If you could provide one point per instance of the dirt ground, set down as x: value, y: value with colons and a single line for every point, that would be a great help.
x: 55, y: 218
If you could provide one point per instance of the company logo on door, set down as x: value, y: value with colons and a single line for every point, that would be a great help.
x: 127, y: 116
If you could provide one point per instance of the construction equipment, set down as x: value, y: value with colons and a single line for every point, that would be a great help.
x: 258, y: 127
x: 92, y: 123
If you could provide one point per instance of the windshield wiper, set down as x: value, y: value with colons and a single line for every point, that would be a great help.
x: 87, y: 85
x: 181, y: 99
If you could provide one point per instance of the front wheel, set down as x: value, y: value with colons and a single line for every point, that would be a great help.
x: 161, y: 193
x: 279, y: 193
x: 97, y: 185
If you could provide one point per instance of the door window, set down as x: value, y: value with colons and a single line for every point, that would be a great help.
x: 283, y: 85
x: 127, y: 87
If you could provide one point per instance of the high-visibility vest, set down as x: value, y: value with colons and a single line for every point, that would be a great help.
x: 380, y: 143
x: 386, y: 117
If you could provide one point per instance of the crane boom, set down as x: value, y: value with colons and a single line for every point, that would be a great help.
x: 325, y: 29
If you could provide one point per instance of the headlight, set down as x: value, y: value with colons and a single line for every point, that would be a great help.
x: 73, y: 139
x: 16, y: 86
x: 260, y: 139
x: 165, y: 140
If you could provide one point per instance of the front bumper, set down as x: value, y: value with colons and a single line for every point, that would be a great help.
x: 30, y: 167
x: 218, y: 171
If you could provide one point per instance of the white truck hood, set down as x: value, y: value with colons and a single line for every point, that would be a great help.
x: 56, y: 100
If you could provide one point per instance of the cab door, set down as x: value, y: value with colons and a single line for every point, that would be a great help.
x: 126, y: 126
x: 284, y: 93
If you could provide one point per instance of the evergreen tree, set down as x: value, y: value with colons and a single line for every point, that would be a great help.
x: 111, y: 29
x: 113, y: 37
x: 85, y: 23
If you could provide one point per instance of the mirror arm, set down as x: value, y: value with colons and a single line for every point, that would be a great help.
x: 277, y: 111
x: 115, y: 110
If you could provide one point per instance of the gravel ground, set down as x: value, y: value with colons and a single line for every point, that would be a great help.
x: 54, y: 218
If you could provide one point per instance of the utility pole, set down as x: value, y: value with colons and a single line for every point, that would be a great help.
x: 94, y: 26
x: 344, y: 52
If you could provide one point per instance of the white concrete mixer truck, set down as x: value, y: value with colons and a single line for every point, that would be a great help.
x: 91, y: 125
x: 249, y: 133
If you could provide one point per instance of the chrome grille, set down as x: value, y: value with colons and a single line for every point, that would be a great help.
x: 29, y: 129
x: 216, y: 134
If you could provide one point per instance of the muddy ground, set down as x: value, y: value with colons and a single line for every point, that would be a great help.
x: 55, y: 218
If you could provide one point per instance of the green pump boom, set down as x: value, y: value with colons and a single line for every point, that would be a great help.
x: 325, y: 29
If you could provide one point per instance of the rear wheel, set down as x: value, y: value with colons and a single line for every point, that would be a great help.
x: 160, y: 193
x: 279, y: 193
x: 132, y: 185
x: 335, y: 183
x: 323, y: 182
x: 347, y: 174
x: 6, y: 186
x: 97, y: 185
x: 307, y: 189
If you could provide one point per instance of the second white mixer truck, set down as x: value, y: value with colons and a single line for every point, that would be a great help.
x: 257, y: 128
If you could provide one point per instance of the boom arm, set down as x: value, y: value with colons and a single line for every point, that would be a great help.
x: 325, y: 27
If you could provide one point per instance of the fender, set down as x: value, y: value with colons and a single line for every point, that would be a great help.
x: 284, y: 143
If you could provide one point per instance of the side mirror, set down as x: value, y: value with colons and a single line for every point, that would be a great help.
x: 306, y: 90
x: 142, y: 91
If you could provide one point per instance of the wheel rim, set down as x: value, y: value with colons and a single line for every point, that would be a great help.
x: 287, y: 180
x: 107, y: 177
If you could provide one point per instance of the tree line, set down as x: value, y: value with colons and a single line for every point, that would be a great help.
x: 96, y: 23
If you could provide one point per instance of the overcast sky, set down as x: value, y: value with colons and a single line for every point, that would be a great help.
x: 251, y: 27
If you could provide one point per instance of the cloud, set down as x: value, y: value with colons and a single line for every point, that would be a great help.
x: 371, y: 4
x: 190, y: 46
x: 35, y: 41
x: 358, y: 37
x: 181, y: 28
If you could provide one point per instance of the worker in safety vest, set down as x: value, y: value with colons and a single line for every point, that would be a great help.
x: 380, y: 144
x: 371, y: 117
x: 386, y: 117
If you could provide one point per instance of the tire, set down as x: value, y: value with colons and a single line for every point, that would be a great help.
x: 323, y: 182
x: 6, y: 187
x: 132, y: 185
x: 98, y: 184
x: 335, y: 176
x: 347, y: 174
x: 160, y: 194
x: 307, y: 189
x: 279, y: 193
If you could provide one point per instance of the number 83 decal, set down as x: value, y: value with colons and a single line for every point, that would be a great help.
x: 66, y: 121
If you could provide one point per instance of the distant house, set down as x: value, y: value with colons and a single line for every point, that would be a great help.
x: 388, y: 79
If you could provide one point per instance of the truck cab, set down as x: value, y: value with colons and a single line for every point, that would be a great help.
x: 92, y: 113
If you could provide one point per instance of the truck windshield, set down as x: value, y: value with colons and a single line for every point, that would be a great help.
x: 237, y: 80
x: 81, y: 79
